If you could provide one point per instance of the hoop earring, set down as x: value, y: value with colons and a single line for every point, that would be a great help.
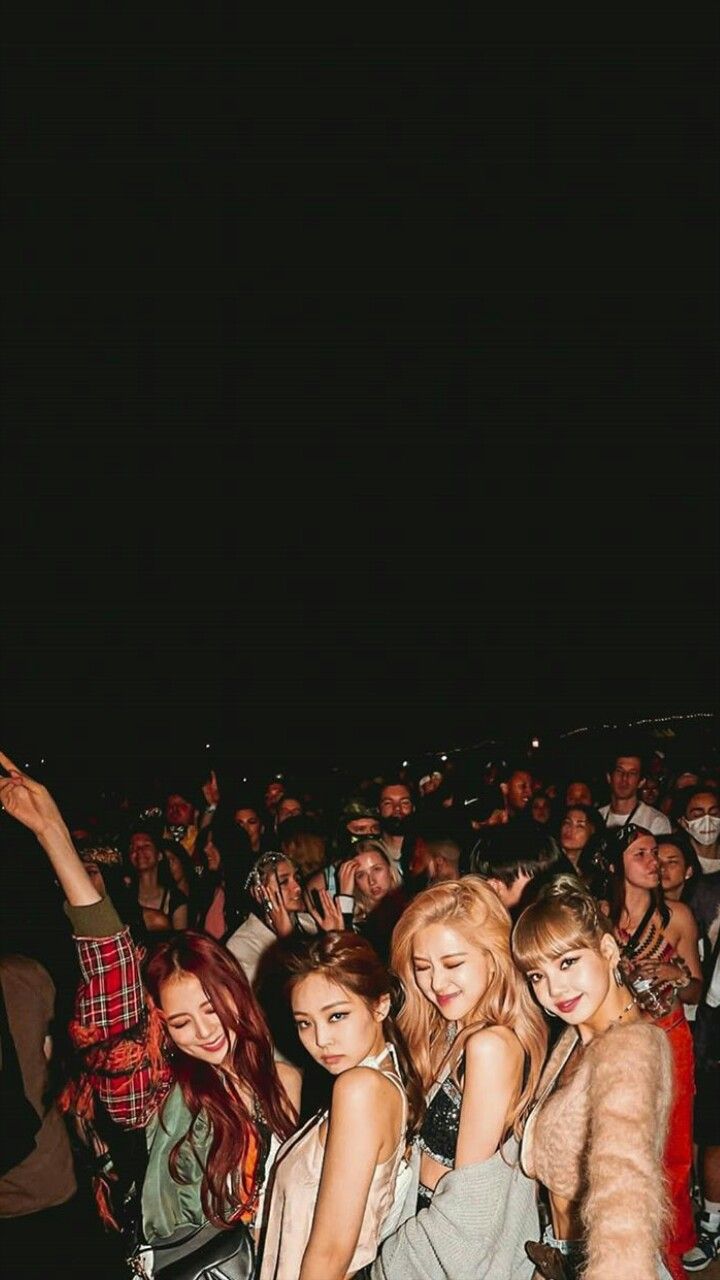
x: 617, y: 974
x: 549, y: 1014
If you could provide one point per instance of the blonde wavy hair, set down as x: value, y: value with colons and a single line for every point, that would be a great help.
x: 474, y: 909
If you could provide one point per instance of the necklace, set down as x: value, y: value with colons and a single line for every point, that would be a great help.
x: 622, y: 1012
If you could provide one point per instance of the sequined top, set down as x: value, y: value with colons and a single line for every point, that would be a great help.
x: 439, y: 1132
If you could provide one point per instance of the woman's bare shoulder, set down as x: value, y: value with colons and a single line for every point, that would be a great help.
x: 492, y: 1046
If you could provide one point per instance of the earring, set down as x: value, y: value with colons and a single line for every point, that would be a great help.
x: 549, y: 1014
x: 617, y: 974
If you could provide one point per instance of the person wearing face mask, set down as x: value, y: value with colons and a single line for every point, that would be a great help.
x: 700, y: 817
x: 177, y: 1094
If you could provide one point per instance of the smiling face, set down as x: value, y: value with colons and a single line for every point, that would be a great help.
x: 192, y: 1021
x: 640, y: 863
x: 452, y: 972
x: 143, y: 852
x: 337, y: 1027
x: 578, y: 986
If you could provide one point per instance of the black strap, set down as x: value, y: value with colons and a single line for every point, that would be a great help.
x: 632, y: 944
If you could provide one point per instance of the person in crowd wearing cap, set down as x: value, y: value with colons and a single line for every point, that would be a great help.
x: 659, y: 954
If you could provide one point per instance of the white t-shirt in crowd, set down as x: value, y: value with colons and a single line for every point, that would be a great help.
x: 645, y: 816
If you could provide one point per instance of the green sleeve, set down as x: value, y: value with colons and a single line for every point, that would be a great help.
x: 99, y: 920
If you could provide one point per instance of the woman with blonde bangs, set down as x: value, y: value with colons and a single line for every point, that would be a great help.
x: 594, y: 1137
x: 478, y: 1042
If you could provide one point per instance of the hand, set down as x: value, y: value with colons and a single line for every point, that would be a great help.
x: 211, y: 790
x: 330, y: 916
x: 346, y: 876
x: 28, y: 801
x: 497, y: 818
x: 277, y: 916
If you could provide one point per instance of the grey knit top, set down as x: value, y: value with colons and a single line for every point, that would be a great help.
x: 474, y: 1229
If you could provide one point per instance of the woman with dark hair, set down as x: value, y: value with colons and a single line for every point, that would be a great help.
x: 338, y: 1184
x: 179, y: 869
x: 151, y: 890
x: 183, y: 1066
x: 582, y: 833
x: 223, y: 855
x: 659, y: 955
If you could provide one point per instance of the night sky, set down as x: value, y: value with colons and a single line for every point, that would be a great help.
x: 337, y: 659
x: 360, y: 396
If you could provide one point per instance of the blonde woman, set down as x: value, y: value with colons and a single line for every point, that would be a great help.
x: 478, y: 1042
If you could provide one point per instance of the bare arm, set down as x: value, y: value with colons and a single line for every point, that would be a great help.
x: 180, y: 917
x: 291, y: 1080
x: 493, y: 1077
x: 32, y: 805
x: 686, y: 946
x: 360, y: 1118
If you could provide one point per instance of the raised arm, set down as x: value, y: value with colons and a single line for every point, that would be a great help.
x: 110, y: 1025
x: 360, y: 1118
x: 32, y: 805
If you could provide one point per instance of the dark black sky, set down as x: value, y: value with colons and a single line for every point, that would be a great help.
x: 327, y: 658
x: 357, y: 393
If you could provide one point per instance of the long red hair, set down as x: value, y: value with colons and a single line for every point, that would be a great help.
x: 235, y: 1146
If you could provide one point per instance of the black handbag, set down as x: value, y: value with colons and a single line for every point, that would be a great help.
x: 226, y: 1255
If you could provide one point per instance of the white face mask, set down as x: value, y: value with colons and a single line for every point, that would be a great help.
x: 705, y: 830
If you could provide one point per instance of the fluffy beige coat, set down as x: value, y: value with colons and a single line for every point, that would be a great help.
x: 598, y: 1139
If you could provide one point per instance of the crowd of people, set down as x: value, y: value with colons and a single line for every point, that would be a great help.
x: 424, y: 1030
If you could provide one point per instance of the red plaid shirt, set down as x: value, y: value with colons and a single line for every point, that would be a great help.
x: 111, y: 997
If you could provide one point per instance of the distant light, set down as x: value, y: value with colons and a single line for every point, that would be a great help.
x: 42, y: 760
x: 535, y: 743
x: 443, y: 757
x: 207, y: 746
x: 405, y: 764
x: 279, y: 777
x: 27, y: 764
x: 244, y: 779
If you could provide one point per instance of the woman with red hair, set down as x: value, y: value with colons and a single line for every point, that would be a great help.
x: 179, y: 1096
